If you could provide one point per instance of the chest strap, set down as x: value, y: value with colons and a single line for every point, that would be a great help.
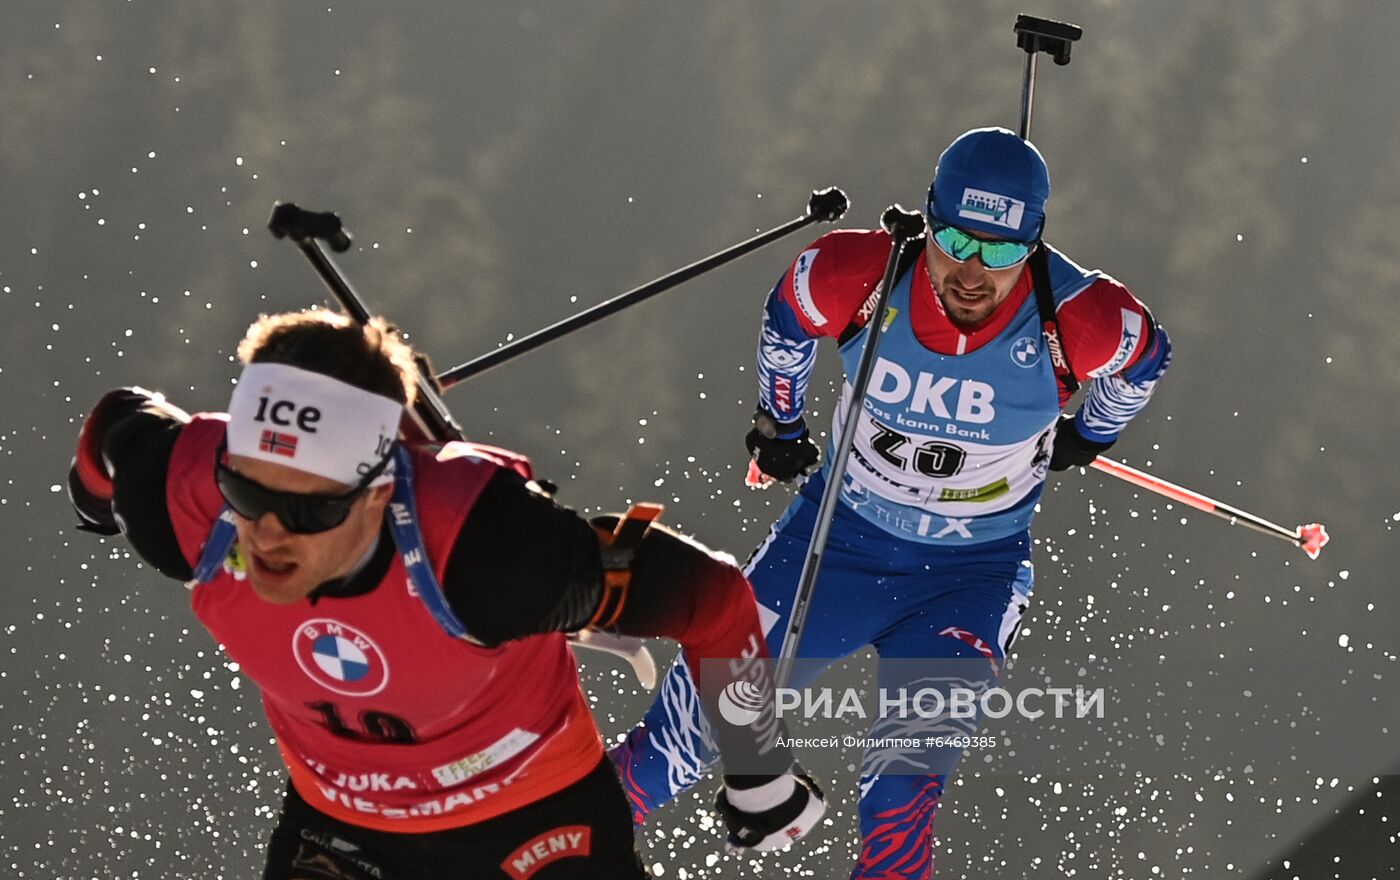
x: 408, y: 538
x: 216, y: 547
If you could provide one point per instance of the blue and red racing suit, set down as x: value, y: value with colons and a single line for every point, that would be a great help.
x: 929, y: 554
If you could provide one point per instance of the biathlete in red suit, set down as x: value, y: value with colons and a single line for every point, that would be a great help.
x: 402, y: 607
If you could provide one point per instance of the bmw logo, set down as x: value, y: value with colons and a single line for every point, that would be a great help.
x: 1025, y: 352
x: 340, y: 658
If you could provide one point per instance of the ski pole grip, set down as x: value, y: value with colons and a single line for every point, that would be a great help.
x: 902, y: 225
x: 289, y: 221
x: 828, y: 205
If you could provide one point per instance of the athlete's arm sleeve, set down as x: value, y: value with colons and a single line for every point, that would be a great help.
x: 683, y: 591
x: 522, y: 564
x: 819, y: 295
x: 138, y: 433
x: 1119, y: 348
x: 786, y: 355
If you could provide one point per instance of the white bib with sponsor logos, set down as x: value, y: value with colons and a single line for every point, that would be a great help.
x: 950, y: 448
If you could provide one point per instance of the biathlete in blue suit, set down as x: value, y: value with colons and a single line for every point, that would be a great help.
x: 989, y: 334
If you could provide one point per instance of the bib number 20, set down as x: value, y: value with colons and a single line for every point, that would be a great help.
x: 933, y: 458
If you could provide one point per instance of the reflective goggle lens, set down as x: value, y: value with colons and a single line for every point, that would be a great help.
x: 994, y: 254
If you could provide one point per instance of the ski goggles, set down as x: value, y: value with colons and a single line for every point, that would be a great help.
x: 961, y: 246
x: 302, y: 513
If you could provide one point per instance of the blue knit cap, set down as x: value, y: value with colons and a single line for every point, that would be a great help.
x: 989, y: 180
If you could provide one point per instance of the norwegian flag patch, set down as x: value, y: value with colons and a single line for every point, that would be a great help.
x: 278, y: 443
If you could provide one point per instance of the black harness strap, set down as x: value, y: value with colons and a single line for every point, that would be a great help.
x: 913, y: 251
x: 1049, y: 324
x: 1044, y: 301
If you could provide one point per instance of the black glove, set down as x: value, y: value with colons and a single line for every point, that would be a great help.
x: 783, y: 460
x: 1071, y: 447
x: 89, y: 478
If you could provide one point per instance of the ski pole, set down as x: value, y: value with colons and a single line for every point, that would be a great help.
x: 1037, y: 35
x: 827, y: 205
x: 430, y: 415
x: 307, y: 229
x: 904, y: 227
x: 1311, y: 537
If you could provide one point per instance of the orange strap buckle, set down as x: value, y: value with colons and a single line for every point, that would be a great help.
x: 619, y: 546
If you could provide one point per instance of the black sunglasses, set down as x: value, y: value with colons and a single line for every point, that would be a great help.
x: 302, y: 513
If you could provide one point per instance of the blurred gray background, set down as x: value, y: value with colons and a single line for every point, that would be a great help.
x: 503, y: 165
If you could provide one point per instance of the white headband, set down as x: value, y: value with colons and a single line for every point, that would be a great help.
x: 311, y: 422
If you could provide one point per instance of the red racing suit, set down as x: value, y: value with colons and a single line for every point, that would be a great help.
x: 385, y: 720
